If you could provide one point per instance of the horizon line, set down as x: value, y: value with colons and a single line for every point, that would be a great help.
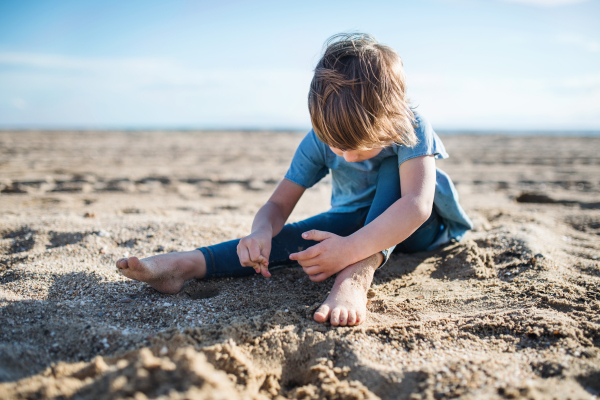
x: 441, y: 131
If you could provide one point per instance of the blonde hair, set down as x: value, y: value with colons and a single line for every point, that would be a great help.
x: 357, y: 97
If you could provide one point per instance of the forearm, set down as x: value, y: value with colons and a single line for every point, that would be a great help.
x: 269, y: 218
x: 393, y: 226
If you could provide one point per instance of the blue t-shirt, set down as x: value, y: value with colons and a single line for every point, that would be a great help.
x: 354, y: 182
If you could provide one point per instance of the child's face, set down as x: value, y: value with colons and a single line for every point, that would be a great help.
x: 356, y: 155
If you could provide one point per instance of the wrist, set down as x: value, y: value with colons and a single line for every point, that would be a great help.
x: 266, y: 230
x: 353, y: 249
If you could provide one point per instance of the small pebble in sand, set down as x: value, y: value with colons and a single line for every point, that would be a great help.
x: 125, y: 300
x: 103, y: 233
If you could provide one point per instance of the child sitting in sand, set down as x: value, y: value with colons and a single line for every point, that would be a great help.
x: 387, y: 192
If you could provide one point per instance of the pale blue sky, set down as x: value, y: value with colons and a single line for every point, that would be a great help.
x: 487, y: 64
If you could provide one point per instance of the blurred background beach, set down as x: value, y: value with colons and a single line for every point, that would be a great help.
x: 517, y: 65
x: 138, y: 128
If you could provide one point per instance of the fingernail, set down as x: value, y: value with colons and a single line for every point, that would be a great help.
x: 304, y: 235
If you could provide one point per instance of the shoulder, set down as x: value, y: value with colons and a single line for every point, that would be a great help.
x: 423, y: 129
x: 312, y: 146
x: 428, y: 142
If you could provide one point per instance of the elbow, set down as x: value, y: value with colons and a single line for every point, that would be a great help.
x: 424, y: 210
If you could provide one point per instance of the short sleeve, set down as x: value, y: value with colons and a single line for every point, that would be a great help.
x: 428, y: 144
x: 308, y: 165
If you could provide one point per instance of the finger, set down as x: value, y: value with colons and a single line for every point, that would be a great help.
x: 254, y: 252
x: 262, y: 266
x: 266, y: 251
x: 312, y: 270
x: 264, y: 270
x: 309, y: 262
x: 262, y: 260
x: 245, y: 258
x: 316, y: 235
x: 311, y: 252
x: 318, y: 277
x: 343, y: 317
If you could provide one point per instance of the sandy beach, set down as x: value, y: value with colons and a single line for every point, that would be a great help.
x: 511, y: 311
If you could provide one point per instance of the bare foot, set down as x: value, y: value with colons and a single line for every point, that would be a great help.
x: 347, y: 302
x: 165, y: 272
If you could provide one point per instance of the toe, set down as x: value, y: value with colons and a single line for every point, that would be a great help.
x: 134, y: 263
x: 335, y: 317
x: 322, y: 314
x: 360, y: 317
x: 351, y: 317
x: 122, y: 263
x: 343, y: 317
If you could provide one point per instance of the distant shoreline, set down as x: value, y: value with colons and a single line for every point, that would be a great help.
x: 441, y: 132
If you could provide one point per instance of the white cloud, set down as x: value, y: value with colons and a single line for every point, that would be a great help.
x: 546, y: 3
x: 508, y: 103
x: 580, y: 41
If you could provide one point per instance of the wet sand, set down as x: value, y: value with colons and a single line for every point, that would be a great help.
x: 512, y: 311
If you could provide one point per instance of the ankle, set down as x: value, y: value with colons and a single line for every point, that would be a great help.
x: 199, y: 270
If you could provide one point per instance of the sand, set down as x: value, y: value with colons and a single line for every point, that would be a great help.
x: 512, y: 311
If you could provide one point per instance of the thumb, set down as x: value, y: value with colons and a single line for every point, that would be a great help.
x: 316, y: 235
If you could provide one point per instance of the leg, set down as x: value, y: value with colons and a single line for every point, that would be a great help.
x: 347, y: 302
x: 166, y: 273
x: 222, y: 259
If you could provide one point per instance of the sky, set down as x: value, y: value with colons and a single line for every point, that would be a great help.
x: 470, y: 64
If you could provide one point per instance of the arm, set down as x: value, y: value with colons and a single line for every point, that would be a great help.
x: 254, y: 249
x: 406, y: 215
x: 397, y: 223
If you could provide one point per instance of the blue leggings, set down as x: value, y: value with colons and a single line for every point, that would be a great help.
x: 222, y: 259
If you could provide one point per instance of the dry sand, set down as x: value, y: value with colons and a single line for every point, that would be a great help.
x: 512, y: 311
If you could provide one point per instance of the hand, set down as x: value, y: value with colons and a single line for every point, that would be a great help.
x: 326, y: 258
x: 254, y: 250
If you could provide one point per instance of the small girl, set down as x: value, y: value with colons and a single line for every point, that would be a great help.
x: 387, y: 193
